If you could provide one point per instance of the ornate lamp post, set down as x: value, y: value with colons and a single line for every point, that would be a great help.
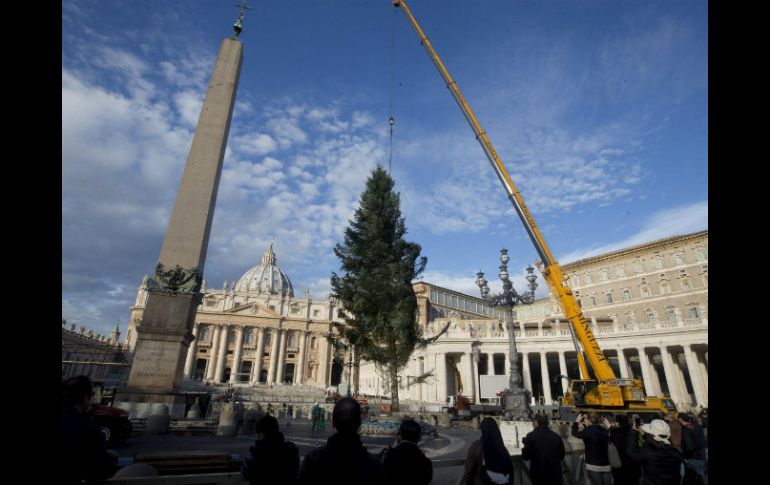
x: 517, y: 397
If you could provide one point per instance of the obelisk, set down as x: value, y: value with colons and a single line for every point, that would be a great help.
x: 165, y: 330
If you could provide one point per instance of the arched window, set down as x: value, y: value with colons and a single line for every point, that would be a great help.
x: 292, y: 344
x: 205, y: 333
x: 268, y: 338
x: 249, y: 338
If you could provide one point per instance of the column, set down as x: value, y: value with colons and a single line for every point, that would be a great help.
x: 257, y: 369
x: 679, y: 375
x: 668, y: 369
x: 222, y: 355
x: 525, y: 371
x: 644, y: 363
x: 212, y: 363
x: 544, y: 378
x: 323, y: 362
x: 421, y: 371
x: 704, y: 373
x: 490, y: 364
x: 281, y: 357
x: 563, y: 372
x: 441, y: 373
x: 472, y: 385
x: 623, y: 364
x: 692, y: 366
x: 299, y: 373
x: 237, y: 355
x: 191, y: 352
x: 274, y: 336
x: 594, y: 326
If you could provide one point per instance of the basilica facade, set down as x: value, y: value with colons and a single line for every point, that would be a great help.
x: 647, y: 304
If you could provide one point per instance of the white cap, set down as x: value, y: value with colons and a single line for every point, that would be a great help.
x: 659, y: 430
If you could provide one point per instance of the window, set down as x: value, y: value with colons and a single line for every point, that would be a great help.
x: 700, y: 254
x: 249, y: 336
x: 651, y: 316
x: 665, y: 288
x: 686, y: 285
x: 588, y: 278
x: 292, y: 344
x: 271, y: 308
x: 639, y: 265
x: 604, y: 274
x: 593, y: 300
x: 693, y: 312
x: 313, y: 343
x: 626, y: 294
x: 620, y: 271
x: 658, y: 262
x: 575, y: 279
x: 608, y: 298
x: 662, y: 276
x: 630, y: 318
x: 433, y: 295
x: 670, y: 314
x: 441, y: 299
x: 230, y: 337
x: 316, y: 313
x: 643, y: 280
x: 679, y: 258
x: 645, y: 292
x: 682, y: 273
x: 268, y: 338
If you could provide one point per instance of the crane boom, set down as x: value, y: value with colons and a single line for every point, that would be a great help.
x: 550, y: 267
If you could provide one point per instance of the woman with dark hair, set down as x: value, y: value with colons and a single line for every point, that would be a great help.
x: 488, y: 460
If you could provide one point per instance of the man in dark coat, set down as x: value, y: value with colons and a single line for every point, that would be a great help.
x: 84, y: 449
x: 693, y: 451
x: 630, y: 471
x: 271, y: 459
x: 659, y: 460
x: 545, y: 450
x: 343, y: 460
x: 406, y: 464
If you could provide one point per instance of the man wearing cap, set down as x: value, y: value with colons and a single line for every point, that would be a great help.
x: 659, y: 460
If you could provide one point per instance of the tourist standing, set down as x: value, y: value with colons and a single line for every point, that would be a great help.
x: 289, y: 412
x: 597, y: 440
x: 693, y: 451
x: 84, y: 450
x: 676, y: 431
x: 315, y: 416
x: 343, y: 460
x: 271, y: 459
x: 545, y: 450
x: 488, y: 460
x: 406, y: 464
x: 658, y: 459
x: 629, y: 472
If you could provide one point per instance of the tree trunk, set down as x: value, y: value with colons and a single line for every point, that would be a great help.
x: 394, y: 387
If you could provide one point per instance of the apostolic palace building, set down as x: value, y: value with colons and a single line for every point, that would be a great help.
x: 647, y: 304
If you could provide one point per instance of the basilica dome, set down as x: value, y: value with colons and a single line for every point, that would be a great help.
x: 265, y: 278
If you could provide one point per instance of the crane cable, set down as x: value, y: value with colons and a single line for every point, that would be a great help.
x: 392, y: 120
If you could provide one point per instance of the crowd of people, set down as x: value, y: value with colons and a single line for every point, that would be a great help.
x: 673, y: 451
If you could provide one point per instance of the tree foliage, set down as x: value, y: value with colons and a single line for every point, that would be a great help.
x: 375, y: 288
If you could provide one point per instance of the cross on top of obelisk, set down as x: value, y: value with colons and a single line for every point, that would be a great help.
x: 238, y: 25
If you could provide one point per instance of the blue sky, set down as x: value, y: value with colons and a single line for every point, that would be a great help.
x: 598, y: 109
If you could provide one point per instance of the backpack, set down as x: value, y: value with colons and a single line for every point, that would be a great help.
x: 614, y: 456
x: 486, y: 479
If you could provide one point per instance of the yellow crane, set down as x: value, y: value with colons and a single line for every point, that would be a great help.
x: 604, y: 392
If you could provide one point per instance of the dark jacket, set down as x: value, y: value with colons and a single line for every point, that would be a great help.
x: 545, y: 450
x: 407, y: 465
x: 342, y: 461
x: 84, y: 449
x: 660, y: 461
x: 597, y: 440
x: 271, y: 460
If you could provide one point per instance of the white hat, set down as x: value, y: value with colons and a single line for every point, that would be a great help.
x: 659, y: 430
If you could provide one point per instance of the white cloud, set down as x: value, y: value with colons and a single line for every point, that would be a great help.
x: 665, y: 223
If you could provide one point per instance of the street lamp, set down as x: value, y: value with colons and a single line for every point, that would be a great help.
x: 517, y: 397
